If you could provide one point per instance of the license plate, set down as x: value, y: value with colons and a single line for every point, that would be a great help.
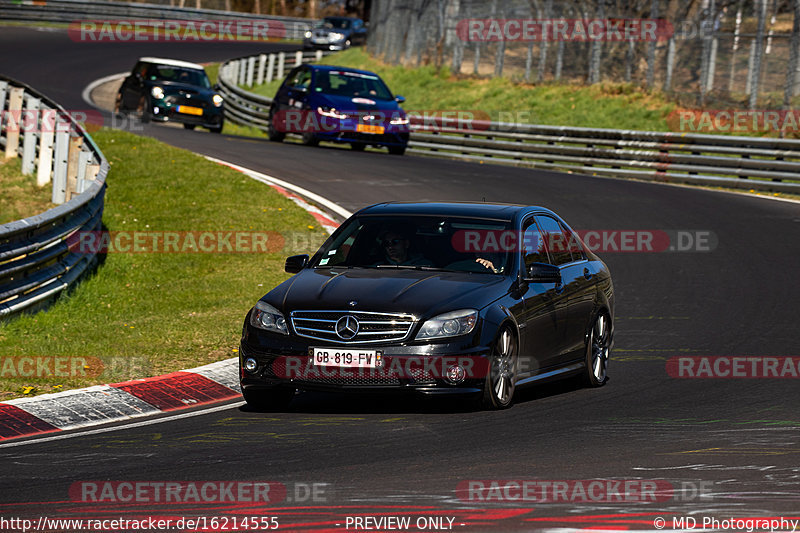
x: 369, y: 128
x: 346, y: 358
x: 189, y: 110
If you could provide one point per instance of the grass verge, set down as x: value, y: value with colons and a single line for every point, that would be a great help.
x: 624, y: 106
x: 144, y: 314
x: 20, y: 197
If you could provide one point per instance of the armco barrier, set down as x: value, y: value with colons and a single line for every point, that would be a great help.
x: 765, y: 164
x: 75, y: 10
x: 36, y: 263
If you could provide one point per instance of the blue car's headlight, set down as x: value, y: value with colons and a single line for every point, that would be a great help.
x: 331, y: 112
x: 449, y: 324
x: 399, y: 121
x: 264, y: 316
x: 333, y: 36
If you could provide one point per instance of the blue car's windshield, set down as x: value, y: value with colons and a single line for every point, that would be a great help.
x: 422, y: 242
x: 351, y: 84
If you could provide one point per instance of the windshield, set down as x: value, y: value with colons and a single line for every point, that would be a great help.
x: 180, y: 75
x: 335, y: 24
x: 342, y: 83
x: 417, y: 242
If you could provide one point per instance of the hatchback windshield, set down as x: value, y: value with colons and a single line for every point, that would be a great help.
x: 424, y: 243
x: 180, y: 75
x: 335, y: 23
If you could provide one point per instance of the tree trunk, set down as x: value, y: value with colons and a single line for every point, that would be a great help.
x: 790, y: 86
x: 761, y: 5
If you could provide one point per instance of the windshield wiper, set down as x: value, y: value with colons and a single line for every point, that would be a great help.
x: 408, y: 267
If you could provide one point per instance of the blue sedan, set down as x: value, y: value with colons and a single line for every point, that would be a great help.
x: 338, y: 104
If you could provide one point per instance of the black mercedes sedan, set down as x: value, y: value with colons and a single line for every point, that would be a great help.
x: 169, y: 90
x: 433, y: 298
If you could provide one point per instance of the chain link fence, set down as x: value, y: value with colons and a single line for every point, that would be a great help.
x: 699, y: 50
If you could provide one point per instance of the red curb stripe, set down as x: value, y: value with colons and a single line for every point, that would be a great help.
x: 15, y: 422
x: 178, y: 390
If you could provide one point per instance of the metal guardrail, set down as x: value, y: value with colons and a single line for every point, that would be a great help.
x: 36, y: 263
x: 763, y: 164
x: 74, y: 10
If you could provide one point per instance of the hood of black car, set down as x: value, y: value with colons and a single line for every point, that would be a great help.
x: 422, y: 293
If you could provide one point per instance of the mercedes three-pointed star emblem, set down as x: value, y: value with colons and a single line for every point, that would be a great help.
x: 347, y: 327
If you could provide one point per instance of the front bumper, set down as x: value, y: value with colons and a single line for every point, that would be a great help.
x: 164, y: 112
x: 417, y: 368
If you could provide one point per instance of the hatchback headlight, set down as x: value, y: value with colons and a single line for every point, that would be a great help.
x: 264, y: 316
x: 217, y: 99
x: 449, y: 324
x: 157, y: 92
x: 335, y: 36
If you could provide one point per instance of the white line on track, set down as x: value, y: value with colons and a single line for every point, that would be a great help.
x: 270, y: 180
x: 123, y: 426
x: 87, y: 91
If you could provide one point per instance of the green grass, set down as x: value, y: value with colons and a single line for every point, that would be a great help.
x: 19, y: 195
x: 606, y: 105
x: 149, y: 313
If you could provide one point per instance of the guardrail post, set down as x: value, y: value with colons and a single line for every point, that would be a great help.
x: 318, y: 55
x: 84, y: 159
x: 281, y: 61
x: 73, y: 160
x: 242, y: 72
x: 251, y: 67
x: 270, y: 67
x: 61, y: 154
x: 14, y: 121
x: 262, y: 60
x: 233, y: 74
x: 298, y: 58
x: 3, y: 91
x: 30, y: 138
x: 47, y: 125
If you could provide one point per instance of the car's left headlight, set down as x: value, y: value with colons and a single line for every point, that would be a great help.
x: 217, y: 99
x: 264, y: 316
x: 157, y: 92
x: 307, y: 34
x: 335, y: 36
x: 449, y: 324
x: 331, y: 112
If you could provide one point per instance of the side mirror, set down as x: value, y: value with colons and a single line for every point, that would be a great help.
x: 399, y: 99
x: 543, y: 273
x: 296, y: 263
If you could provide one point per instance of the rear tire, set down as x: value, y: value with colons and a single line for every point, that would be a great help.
x: 358, y: 147
x: 397, y: 150
x: 598, y: 348
x: 217, y: 129
x: 498, y: 392
x: 188, y: 126
x: 268, y: 400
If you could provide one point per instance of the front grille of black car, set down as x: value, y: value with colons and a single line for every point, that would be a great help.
x: 373, y: 327
x: 181, y: 99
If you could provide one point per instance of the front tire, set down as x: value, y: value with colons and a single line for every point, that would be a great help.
x: 268, y: 400
x: 273, y: 134
x: 598, y: 348
x: 397, y: 150
x: 309, y: 139
x: 143, y: 112
x: 498, y: 392
x: 188, y: 126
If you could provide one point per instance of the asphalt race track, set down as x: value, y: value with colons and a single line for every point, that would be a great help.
x: 722, y: 447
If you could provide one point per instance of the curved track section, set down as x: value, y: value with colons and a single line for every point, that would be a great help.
x: 723, y: 447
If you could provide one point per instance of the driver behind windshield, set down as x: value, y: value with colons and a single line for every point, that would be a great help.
x: 396, y: 246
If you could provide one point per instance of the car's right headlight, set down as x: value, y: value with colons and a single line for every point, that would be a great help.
x: 264, y: 316
x: 331, y: 112
x: 449, y: 324
x: 217, y: 99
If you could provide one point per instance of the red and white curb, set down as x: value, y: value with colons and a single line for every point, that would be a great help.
x: 102, y: 404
